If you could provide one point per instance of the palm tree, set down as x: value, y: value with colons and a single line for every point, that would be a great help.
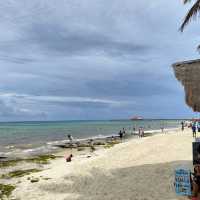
x: 192, y: 13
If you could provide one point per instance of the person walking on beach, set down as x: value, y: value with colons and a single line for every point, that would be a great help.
x: 123, y: 132
x: 141, y: 132
x: 182, y: 126
x: 134, y: 129
x: 120, y: 134
x: 198, y: 126
x: 194, y: 132
x: 92, y: 148
x: 70, y: 138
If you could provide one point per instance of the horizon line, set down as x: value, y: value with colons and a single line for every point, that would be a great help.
x: 95, y: 120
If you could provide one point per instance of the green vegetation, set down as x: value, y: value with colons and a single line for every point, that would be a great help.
x: 98, y: 143
x: 111, y: 144
x: 42, y: 159
x: 80, y: 149
x: 107, y: 146
x: 115, y: 142
x: 9, y: 163
x: 84, y: 145
x: 6, y: 190
x: 19, y: 173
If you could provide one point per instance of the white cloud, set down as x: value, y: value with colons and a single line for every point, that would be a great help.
x: 25, y: 98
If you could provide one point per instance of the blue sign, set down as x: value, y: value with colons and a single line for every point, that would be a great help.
x: 182, y: 182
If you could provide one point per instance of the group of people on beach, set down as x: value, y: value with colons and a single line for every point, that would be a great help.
x: 141, y: 132
x: 122, y: 133
x: 195, y: 176
x: 195, y: 125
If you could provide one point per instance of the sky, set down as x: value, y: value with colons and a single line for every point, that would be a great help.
x: 93, y: 59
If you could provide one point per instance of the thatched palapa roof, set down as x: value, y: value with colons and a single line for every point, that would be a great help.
x: 188, y: 73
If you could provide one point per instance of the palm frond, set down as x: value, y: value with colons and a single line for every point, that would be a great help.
x: 191, y: 14
x: 186, y: 1
x: 198, y: 48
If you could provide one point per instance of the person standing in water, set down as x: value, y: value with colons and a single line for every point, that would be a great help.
x: 70, y: 138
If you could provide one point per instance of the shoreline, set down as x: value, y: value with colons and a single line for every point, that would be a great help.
x: 53, y: 147
x: 33, y: 136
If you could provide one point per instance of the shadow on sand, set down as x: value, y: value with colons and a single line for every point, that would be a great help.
x: 146, y: 182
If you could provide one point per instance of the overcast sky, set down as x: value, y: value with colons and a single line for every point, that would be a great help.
x: 92, y: 59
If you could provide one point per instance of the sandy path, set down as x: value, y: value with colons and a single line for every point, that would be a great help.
x: 136, y: 170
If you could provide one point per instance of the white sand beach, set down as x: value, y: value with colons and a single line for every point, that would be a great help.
x: 139, y: 169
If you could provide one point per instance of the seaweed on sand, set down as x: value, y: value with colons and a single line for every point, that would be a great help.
x: 41, y: 159
x: 19, y: 173
x: 6, y: 190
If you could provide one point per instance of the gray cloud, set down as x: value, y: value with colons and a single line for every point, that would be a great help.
x: 17, y: 60
x: 59, y: 40
x: 135, y: 85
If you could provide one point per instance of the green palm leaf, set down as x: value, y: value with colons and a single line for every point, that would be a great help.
x: 191, y: 14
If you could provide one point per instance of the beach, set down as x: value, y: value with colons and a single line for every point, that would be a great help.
x: 136, y: 169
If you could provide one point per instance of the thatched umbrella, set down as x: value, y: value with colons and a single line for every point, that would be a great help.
x: 188, y: 73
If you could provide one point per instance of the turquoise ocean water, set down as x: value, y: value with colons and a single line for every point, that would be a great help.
x: 30, y: 135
